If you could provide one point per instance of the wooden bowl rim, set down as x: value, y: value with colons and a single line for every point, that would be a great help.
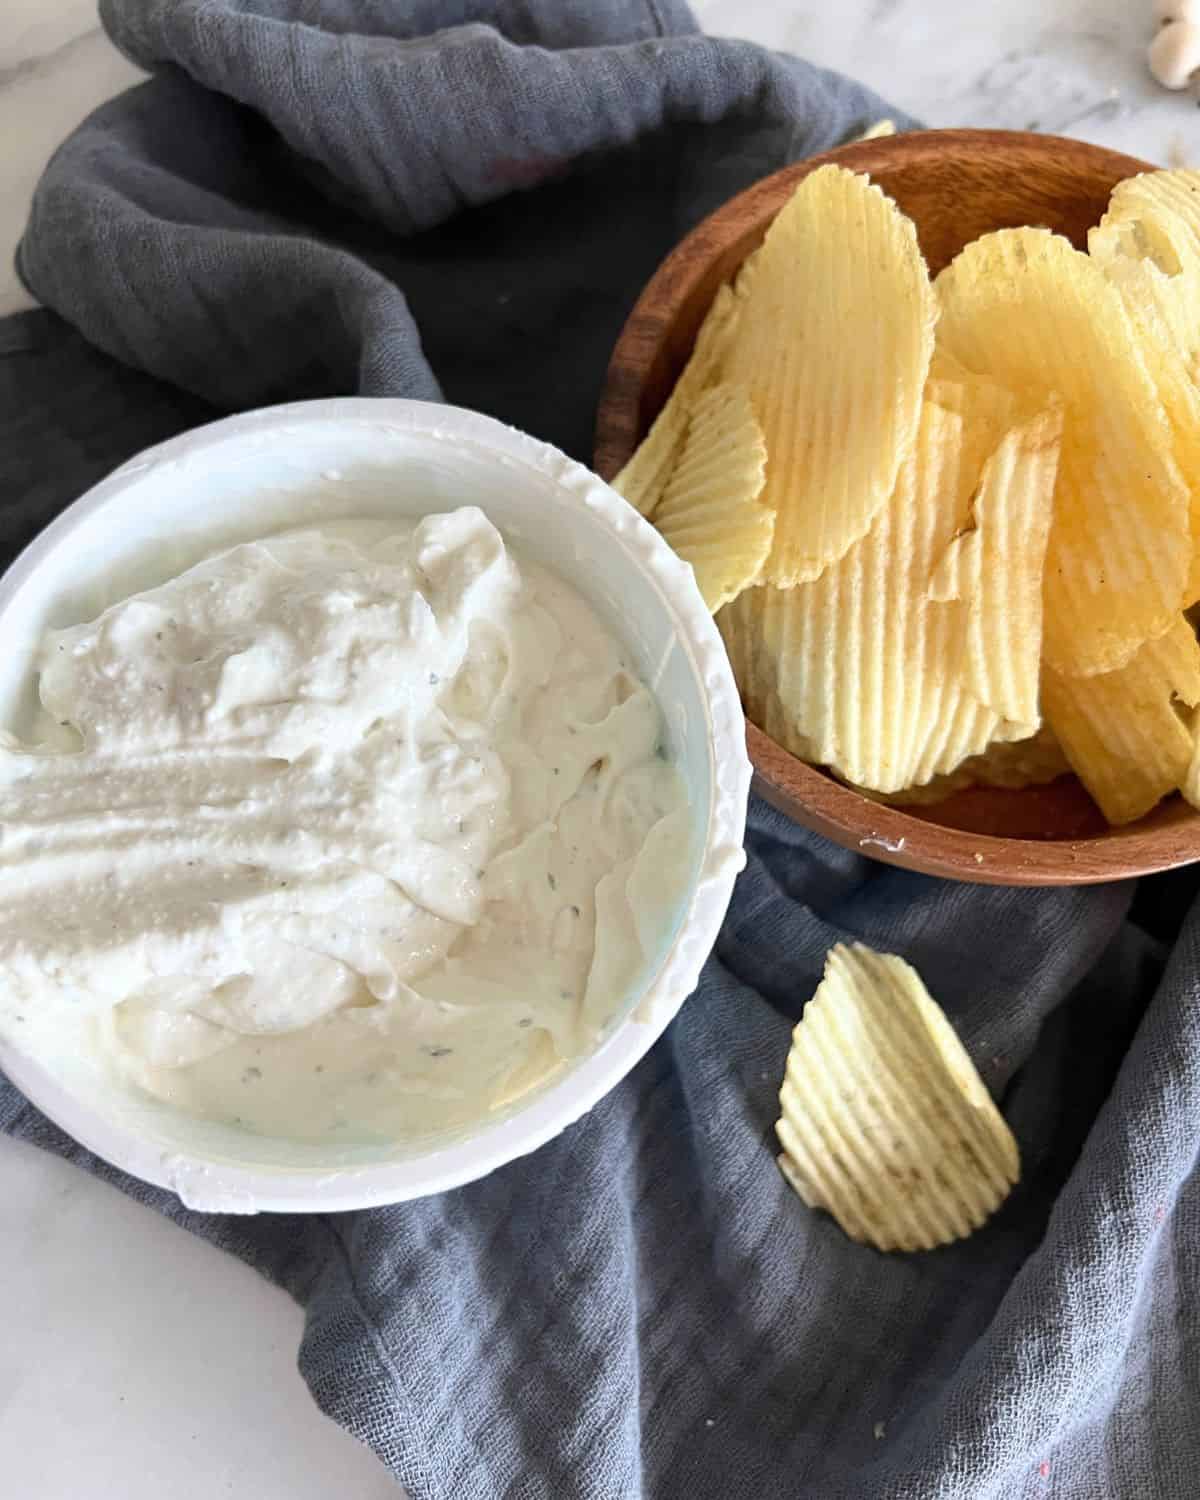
x: 885, y: 833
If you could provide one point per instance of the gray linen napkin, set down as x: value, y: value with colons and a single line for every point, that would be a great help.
x: 460, y: 198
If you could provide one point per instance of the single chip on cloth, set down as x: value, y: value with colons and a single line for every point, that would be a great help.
x: 994, y: 570
x: 710, y: 512
x: 644, y: 478
x: 864, y: 671
x: 1126, y: 733
x: 885, y: 1122
x: 1022, y: 306
x: 833, y: 343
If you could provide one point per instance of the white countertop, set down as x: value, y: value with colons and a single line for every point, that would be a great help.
x: 136, y: 1361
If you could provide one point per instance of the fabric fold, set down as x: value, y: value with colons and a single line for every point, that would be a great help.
x: 246, y: 225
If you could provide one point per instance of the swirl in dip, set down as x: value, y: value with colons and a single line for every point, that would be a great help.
x: 360, y: 830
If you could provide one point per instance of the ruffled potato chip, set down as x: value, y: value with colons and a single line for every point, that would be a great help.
x: 1024, y: 307
x: 1149, y: 243
x: 643, y: 479
x: 1127, y: 734
x: 994, y: 569
x: 711, y: 512
x: 1011, y: 764
x: 884, y: 1121
x: 1149, y: 246
x: 874, y: 132
x: 866, y: 671
x: 834, y: 341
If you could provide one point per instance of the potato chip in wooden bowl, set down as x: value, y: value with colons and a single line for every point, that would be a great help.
x: 924, y: 415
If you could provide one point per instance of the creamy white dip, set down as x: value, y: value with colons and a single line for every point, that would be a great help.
x: 361, y: 830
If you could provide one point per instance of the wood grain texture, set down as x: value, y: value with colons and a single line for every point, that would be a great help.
x: 955, y: 185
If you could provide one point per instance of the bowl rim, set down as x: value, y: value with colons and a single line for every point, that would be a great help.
x: 884, y: 832
x: 215, y: 1185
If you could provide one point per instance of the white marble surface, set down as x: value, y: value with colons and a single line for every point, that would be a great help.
x: 1070, y: 67
x: 136, y: 1361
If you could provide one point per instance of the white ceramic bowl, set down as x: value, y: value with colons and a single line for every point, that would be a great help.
x: 288, y: 465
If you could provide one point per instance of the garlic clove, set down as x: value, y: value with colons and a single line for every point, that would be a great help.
x: 1177, y: 10
x: 1174, y: 54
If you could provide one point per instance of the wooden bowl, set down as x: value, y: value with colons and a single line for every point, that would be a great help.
x: 955, y: 185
